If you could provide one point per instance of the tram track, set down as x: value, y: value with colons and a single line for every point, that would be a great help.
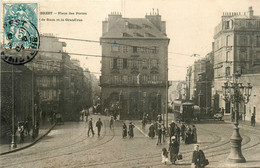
x: 81, y: 149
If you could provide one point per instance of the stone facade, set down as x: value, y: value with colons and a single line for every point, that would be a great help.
x: 236, y: 49
x: 134, y: 70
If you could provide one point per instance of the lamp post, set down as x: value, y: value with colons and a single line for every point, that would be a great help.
x: 236, y: 93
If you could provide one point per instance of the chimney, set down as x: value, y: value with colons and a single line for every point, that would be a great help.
x: 250, y: 12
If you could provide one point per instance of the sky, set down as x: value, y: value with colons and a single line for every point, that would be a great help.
x: 189, y: 25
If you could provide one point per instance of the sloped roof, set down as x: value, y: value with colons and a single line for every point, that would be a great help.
x: 137, y: 28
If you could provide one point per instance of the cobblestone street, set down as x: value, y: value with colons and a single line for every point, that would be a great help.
x: 69, y: 146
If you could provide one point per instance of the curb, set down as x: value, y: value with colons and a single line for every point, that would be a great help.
x: 31, y: 144
x: 141, y: 131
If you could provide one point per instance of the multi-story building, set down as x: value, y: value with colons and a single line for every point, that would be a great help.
x: 134, y: 70
x: 236, y: 49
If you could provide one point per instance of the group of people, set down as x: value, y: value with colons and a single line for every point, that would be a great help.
x: 99, y: 124
x: 130, y: 130
x: 24, y: 129
x: 188, y: 133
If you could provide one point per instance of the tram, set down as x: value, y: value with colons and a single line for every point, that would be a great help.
x: 186, y: 111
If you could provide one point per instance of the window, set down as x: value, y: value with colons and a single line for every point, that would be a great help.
x: 227, y: 25
x: 228, y: 41
x: 145, y: 63
x: 134, y: 49
x: 145, y: 78
x: 125, y: 49
x: 120, y: 63
x: 154, y: 49
x: 154, y: 63
x: 227, y: 56
x: 227, y: 71
x: 154, y: 77
x: 114, y: 63
x: 258, y: 40
x: 257, y: 55
x: 243, y: 40
x: 125, y: 79
x: 115, y: 48
x: 124, y: 63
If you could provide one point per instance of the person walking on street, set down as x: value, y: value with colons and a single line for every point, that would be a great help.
x: 194, y: 134
x: 90, y: 127
x: 177, y: 133
x: 253, y: 120
x: 124, y: 130
x: 159, y: 140
x: 174, y: 149
x: 198, y: 158
x: 131, y: 130
x: 151, y: 133
x: 182, y: 131
x: 99, y: 124
x: 172, y: 129
x: 111, y: 122
x: 165, y: 159
x: 163, y: 132
x: 21, y: 131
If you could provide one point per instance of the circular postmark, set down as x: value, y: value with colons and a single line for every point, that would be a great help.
x: 21, y: 41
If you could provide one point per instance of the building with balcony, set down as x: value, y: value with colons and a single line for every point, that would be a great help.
x: 134, y: 74
x: 236, y: 49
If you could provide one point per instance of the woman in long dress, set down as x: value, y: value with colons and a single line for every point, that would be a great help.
x: 174, y: 149
x: 124, y: 130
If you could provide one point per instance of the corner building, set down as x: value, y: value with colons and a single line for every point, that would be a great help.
x: 134, y: 78
x: 237, y: 49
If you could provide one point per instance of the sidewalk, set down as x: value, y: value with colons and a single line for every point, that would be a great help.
x: 243, y: 123
x: 28, y: 140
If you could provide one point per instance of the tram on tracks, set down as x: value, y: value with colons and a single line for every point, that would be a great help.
x: 186, y: 111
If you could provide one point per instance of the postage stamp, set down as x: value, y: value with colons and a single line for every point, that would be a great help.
x: 21, y: 38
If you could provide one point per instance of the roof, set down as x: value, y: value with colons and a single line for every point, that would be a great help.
x: 135, y: 28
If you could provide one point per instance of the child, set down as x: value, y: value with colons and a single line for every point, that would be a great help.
x: 165, y: 156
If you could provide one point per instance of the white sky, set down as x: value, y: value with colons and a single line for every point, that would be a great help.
x: 189, y: 25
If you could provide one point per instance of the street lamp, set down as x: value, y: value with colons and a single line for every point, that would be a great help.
x: 236, y: 93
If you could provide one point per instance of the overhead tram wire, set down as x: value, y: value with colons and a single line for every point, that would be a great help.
x: 115, y: 43
x: 93, y: 55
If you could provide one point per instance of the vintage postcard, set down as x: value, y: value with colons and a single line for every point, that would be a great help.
x: 129, y: 83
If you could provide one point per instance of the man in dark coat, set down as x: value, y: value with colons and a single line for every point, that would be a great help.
x: 198, y: 158
x: 183, y: 131
x: 131, y: 130
x: 151, y: 131
x: 90, y: 127
x: 124, y: 130
x: 99, y: 124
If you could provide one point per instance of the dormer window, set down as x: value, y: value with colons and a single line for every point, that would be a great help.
x: 126, y: 35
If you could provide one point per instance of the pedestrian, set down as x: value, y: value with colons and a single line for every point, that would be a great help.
x: 194, y: 134
x: 159, y: 140
x: 131, y: 130
x: 124, y: 130
x: 182, y: 131
x: 163, y: 132
x: 165, y: 159
x: 198, y: 158
x: 151, y: 133
x: 99, y: 124
x: 177, y: 133
x: 172, y: 129
x: 90, y: 127
x: 253, y: 120
x: 21, y: 131
x: 86, y: 114
x: 174, y: 149
x: 188, y: 135
x: 111, y: 122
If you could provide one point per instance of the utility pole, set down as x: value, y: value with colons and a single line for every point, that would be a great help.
x: 13, y: 143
